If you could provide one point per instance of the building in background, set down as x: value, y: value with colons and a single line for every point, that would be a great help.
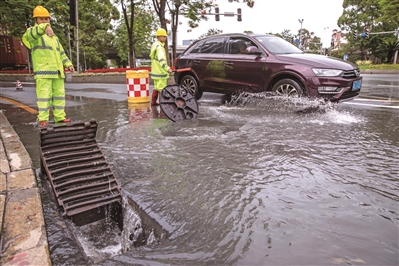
x: 337, y: 39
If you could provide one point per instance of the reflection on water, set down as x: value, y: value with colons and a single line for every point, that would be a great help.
x: 266, y: 181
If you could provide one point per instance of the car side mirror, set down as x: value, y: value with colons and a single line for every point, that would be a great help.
x: 252, y: 50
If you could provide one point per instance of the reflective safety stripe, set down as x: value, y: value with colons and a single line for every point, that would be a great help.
x: 33, y: 35
x: 43, y: 46
x: 45, y: 72
x: 59, y: 98
x: 43, y: 99
x: 159, y: 75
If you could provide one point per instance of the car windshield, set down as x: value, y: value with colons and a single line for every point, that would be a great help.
x: 276, y: 45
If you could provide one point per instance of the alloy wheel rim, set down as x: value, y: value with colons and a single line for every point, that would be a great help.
x: 287, y: 90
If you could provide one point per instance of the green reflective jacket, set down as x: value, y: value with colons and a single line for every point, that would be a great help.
x: 48, y: 55
x: 159, y: 64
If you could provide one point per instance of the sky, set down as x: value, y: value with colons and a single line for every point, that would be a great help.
x: 319, y: 16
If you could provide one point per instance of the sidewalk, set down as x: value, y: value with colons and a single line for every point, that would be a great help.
x: 23, y: 232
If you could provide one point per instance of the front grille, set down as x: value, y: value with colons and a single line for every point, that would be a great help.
x: 350, y: 74
x: 349, y: 94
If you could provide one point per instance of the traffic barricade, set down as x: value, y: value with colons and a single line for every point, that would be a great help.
x: 138, y: 87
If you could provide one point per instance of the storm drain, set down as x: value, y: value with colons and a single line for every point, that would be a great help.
x: 82, y: 181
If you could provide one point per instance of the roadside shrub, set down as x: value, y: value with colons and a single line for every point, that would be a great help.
x: 363, y: 62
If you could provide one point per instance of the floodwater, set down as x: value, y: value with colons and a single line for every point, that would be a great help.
x: 259, y: 181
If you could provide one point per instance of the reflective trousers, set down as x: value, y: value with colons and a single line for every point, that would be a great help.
x: 159, y: 84
x: 50, y: 92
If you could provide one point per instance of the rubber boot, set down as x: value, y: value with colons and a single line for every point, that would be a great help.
x: 154, y: 97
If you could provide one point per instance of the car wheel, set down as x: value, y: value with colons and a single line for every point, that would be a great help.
x: 191, y: 84
x: 288, y: 87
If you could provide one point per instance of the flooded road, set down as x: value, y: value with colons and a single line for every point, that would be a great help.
x: 260, y: 181
x: 264, y: 184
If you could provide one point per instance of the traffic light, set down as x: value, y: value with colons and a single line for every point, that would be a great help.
x: 367, y: 33
x: 239, y: 18
x: 72, y: 34
x: 355, y: 34
x: 71, y: 37
x: 72, y: 12
x: 217, y: 17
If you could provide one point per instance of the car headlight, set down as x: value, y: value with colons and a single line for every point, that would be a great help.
x: 320, y: 72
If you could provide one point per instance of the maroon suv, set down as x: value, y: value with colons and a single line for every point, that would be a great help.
x: 231, y: 63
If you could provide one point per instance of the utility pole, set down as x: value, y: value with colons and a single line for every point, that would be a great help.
x: 77, y: 37
x: 69, y: 43
x: 396, y: 52
x: 300, y: 34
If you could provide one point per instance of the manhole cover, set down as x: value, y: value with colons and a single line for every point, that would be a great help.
x: 178, y: 103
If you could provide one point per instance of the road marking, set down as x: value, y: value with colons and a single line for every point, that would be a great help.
x: 26, y: 108
x: 389, y: 86
x: 373, y: 105
x: 377, y: 100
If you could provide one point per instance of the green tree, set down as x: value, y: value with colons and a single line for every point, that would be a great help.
x: 390, y: 11
x: 368, y: 15
x: 287, y: 35
x: 194, y: 10
x: 390, y: 46
x: 95, y: 28
x: 210, y: 33
x: 191, y: 9
x: 142, y: 38
x: 249, y: 3
x: 138, y: 23
x: 16, y: 16
x: 96, y: 37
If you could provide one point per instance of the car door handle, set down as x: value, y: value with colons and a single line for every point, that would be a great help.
x: 196, y: 62
x: 228, y: 63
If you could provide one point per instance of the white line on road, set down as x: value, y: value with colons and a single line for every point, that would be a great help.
x: 377, y: 100
x: 390, y: 86
x: 373, y: 105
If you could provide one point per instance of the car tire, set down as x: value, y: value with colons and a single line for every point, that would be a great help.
x: 288, y: 87
x: 191, y: 84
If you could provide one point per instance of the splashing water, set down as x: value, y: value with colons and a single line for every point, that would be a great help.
x: 132, y: 233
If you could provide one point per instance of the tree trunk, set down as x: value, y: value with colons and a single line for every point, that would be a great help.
x: 129, y: 27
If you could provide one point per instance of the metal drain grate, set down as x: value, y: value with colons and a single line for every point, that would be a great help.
x: 79, y: 174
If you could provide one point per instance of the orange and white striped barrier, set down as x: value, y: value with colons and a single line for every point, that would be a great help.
x: 138, y: 87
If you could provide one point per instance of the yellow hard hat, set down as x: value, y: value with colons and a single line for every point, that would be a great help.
x: 40, y: 12
x: 161, y: 32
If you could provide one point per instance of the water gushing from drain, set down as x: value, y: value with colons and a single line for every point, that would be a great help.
x: 104, y: 239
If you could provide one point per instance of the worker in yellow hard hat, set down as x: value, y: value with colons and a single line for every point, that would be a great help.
x: 159, y: 65
x: 49, y: 60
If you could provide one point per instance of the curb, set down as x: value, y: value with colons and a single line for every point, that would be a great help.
x: 23, y: 232
x: 379, y: 71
